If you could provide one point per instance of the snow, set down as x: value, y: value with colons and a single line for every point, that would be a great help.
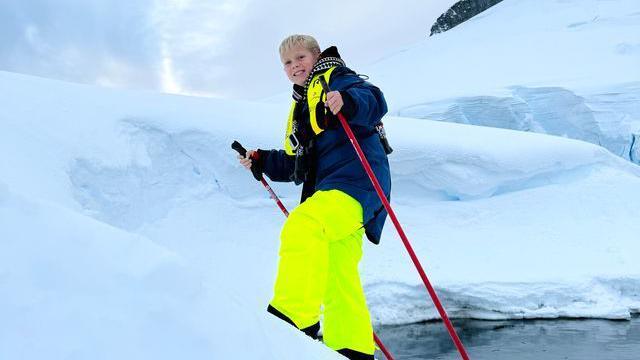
x: 96, y: 260
x: 509, y: 223
x: 562, y: 67
x: 74, y: 287
x: 128, y: 229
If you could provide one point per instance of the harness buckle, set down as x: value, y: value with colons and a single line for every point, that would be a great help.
x: 293, y: 141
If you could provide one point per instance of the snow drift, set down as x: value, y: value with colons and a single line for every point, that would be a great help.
x: 126, y: 221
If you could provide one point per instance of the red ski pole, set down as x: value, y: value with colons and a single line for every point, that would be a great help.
x: 394, y: 219
x: 242, y: 151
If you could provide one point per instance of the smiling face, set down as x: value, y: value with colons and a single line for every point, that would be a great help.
x: 298, y: 62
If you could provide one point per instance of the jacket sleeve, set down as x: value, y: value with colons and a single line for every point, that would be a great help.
x: 364, y: 103
x: 277, y: 165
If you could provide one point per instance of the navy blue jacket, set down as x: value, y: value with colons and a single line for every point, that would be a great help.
x: 336, y: 163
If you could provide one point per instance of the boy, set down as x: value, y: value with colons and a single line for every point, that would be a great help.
x: 321, y: 240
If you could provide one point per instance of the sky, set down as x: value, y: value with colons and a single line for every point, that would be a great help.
x: 217, y: 48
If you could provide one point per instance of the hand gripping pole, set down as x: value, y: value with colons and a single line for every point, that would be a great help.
x: 242, y: 151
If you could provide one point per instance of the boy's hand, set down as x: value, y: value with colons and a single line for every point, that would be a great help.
x: 334, y: 102
x: 254, y: 161
x: 246, y: 161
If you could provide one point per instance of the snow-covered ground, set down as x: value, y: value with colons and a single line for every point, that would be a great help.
x: 510, y: 225
x: 127, y: 228
x: 563, y: 67
x: 123, y: 233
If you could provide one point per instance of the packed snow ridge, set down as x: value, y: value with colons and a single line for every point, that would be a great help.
x: 611, y: 120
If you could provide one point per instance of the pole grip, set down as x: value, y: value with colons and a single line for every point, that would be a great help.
x: 239, y: 148
x: 324, y: 85
x: 256, y: 170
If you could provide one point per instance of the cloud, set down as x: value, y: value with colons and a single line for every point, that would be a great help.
x: 212, y: 47
x: 193, y: 34
x: 244, y: 63
x: 84, y: 41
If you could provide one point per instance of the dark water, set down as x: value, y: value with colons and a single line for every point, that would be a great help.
x: 517, y: 339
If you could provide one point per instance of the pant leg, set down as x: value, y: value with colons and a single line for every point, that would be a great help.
x: 302, y: 267
x: 321, y: 245
x: 347, y: 323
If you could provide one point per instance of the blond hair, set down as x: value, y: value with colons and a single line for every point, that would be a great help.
x: 307, y: 41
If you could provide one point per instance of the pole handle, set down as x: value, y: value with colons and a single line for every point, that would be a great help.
x: 324, y: 85
x: 255, y: 170
x: 239, y: 148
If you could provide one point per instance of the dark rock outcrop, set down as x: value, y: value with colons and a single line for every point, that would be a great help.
x: 460, y: 12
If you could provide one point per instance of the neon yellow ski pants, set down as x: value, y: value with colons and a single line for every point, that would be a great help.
x: 320, y: 247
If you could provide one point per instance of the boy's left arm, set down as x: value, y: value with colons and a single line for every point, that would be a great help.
x: 364, y: 103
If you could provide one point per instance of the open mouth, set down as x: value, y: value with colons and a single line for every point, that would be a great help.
x: 298, y: 73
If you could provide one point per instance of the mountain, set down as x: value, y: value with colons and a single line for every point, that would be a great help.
x: 460, y: 12
x: 562, y: 67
